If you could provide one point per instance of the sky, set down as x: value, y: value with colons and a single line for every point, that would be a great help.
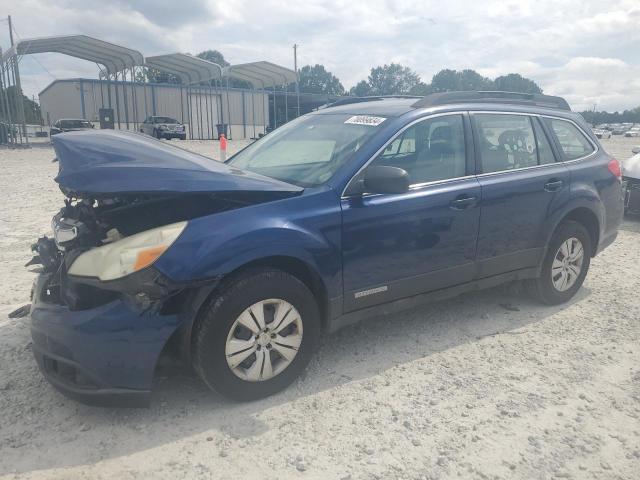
x: 586, y: 51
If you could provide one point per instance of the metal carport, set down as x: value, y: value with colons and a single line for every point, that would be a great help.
x: 263, y: 74
x: 192, y: 71
x: 113, y: 59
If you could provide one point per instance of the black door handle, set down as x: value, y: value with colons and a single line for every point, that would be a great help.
x: 553, y: 185
x: 462, y: 202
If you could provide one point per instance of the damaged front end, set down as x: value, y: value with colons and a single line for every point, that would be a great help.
x: 101, y: 313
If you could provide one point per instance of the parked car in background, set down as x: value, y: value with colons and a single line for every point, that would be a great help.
x: 600, y: 133
x: 363, y: 207
x: 631, y: 183
x: 70, y: 125
x: 619, y: 130
x: 633, y: 132
x: 163, y: 127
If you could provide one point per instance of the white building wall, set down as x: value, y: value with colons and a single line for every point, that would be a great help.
x: 199, y: 108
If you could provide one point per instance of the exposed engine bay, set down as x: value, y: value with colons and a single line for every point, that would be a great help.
x: 86, y: 223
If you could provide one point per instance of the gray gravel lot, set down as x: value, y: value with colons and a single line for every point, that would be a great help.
x: 488, y: 385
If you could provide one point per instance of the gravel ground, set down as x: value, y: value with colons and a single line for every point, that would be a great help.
x: 489, y: 385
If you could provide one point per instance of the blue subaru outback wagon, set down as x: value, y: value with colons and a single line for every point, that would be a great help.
x: 369, y: 202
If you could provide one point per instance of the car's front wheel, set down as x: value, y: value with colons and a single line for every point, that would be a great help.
x: 565, y: 265
x: 257, y: 335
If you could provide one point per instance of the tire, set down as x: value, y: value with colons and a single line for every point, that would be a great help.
x: 551, y: 292
x: 217, y: 327
x: 183, y: 137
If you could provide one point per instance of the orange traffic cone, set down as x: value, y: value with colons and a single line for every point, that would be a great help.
x: 223, y: 148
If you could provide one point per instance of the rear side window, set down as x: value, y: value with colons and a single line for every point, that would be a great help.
x: 545, y: 154
x: 572, y: 141
x: 506, y: 142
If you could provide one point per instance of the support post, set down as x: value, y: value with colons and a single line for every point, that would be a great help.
x: 228, y: 112
x: 295, y: 67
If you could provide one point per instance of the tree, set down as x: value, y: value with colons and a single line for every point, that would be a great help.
x: 595, y: 118
x: 31, y: 109
x: 213, y: 56
x: 445, y: 81
x: 318, y: 80
x: 362, y: 89
x: 154, y: 75
x: 515, y: 82
x: 472, y: 80
x: 452, y: 80
x: 421, y: 89
x: 392, y: 79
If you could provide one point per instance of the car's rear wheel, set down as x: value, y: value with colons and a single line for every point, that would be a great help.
x: 565, y: 265
x: 257, y: 335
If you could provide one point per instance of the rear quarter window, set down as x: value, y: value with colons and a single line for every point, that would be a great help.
x: 572, y: 141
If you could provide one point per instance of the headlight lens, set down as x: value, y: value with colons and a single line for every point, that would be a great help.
x: 128, y: 255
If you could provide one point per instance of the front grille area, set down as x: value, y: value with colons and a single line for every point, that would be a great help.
x: 65, y: 372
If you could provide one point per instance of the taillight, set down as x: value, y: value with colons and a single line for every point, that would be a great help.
x: 615, y: 168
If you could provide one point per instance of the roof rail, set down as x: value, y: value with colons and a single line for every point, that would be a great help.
x: 444, y: 98
x: 352, y: 99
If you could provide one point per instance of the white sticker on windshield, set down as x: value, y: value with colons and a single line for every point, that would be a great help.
x: 365, y: 120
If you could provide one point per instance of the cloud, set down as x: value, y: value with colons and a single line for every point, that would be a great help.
x: 583, y: 49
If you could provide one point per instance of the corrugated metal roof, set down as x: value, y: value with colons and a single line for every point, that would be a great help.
x: 261, y: 74
x: 113, y: 57
x: 189, y: 68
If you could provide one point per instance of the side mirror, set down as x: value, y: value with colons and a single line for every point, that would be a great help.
x: 385, y: 179
x: 635, y: 150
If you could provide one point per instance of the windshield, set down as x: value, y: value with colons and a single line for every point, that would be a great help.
x: 74, y: 124
x: 164, y: 120
x: 309, y: 150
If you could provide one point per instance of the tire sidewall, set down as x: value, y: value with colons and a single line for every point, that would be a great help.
x: 217, y: 319
x: 546, y: 288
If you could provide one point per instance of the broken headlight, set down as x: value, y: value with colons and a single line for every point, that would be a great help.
x: 118, y: 259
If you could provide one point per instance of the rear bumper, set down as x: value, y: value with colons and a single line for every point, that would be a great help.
x: 100, y: 356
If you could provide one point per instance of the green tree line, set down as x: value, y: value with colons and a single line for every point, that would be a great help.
x: 31, y: 108
x: 626, y: 116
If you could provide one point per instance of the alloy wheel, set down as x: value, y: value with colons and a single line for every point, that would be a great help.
x: 567, y: 264
x: 264, y: 340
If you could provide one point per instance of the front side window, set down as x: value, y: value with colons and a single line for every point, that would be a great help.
x: 572, y: 141
x: 308, y: 150
x: 428, y: 151
x: 506, y: 142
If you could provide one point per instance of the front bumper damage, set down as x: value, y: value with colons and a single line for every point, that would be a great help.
x: 102, y: 355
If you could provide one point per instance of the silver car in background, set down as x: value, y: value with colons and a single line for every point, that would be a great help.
x: 163, y: 127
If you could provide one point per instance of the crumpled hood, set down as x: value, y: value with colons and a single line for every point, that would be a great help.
x: 631, y: 167
x: 111, y: 162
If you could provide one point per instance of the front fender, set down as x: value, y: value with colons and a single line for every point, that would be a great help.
x: 306, y: 228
